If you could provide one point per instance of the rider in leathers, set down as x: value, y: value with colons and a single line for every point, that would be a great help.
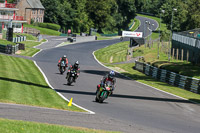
x: 108, y: 77
x: 76, y: 68
x: 64, y: 58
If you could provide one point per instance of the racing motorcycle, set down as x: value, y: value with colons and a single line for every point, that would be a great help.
x: 62, y: 67
x: 103, y: 92
x: 71, y: 77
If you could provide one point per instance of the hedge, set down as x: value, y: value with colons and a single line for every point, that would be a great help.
x: 55, y: 27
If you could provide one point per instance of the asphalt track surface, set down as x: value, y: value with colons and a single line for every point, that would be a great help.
x: 133, y: 107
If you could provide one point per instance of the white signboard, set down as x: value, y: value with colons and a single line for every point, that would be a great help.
x: 131, y: 34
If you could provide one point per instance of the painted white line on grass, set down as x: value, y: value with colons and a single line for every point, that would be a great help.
x: 90, y: 112
x: 142, y: 83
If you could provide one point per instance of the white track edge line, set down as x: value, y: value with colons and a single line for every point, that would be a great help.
x: 143, y: 83
x: 90, y: 112
x: 37, y: 53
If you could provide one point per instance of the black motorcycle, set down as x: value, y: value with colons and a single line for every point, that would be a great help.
x: 103, y: 92
x: 71, y: 77
x: 62, y: 67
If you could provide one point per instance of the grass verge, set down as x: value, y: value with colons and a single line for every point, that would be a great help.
x: 44, y: 31
x: 22, y: 83
x: 5, y: 42
x: 28, y: 36
x: 113, y: 53
x: 14, y: 126
x: 136, y: 25
x: 29, y: 50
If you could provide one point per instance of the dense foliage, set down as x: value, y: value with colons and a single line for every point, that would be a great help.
x: 81, y: 15
x: 186, y: 16
x: 115, y: 15
x: 55, y: 27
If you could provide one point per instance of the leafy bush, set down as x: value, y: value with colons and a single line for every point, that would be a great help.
x: 55, y: 27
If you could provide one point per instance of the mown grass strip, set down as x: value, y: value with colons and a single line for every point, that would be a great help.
x: 28, y: 36
x: 22, y: 83
x: 16, y: 126
x: 117, y: 52
x: 136, y: 25
x: 5, y: 42
x: 44, y: 31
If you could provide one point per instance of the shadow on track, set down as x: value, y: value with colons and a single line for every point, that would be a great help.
x: 103, y: 73
x: 127, y: 96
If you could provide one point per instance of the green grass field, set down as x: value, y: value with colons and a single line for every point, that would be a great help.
x: 5, y: 42
x: 22, y: 83
x: 28, y: 36
x: 29, y: 50
x: 44, y: 31
x: 136, y: 25
x: 113, y: 53
x: 16, y: 126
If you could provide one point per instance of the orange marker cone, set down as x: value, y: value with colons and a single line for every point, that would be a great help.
x: 70, y: 102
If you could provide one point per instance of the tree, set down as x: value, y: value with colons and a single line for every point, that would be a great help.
x: 80, y: 19
x: 99, y: 12
x: 125, y: 12
x: 179, y: 16
x: 51, y: 10
x: 193, y: 19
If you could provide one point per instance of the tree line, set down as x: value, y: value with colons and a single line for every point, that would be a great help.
x: 115, y: 15
x: 186, y: 13
x: 81, y: 15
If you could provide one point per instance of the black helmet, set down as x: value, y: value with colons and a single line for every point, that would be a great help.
x: 76, y: 64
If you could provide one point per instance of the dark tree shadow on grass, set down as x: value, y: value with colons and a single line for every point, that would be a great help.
x: 23, y: 82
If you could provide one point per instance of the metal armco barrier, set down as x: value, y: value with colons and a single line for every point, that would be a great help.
x: 181, y: 81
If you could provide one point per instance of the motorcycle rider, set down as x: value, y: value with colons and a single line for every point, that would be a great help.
x: 76, y: 68
x: 108, y: 77
x: 64, y: 58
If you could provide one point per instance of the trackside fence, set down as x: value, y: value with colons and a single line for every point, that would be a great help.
x: 19, y: 39
x: 9, y: 49
x: 181, y: 81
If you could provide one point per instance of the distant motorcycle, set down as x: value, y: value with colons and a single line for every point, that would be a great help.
x: 71, y: 77
x: 62, y: 67
x: 103, y: 92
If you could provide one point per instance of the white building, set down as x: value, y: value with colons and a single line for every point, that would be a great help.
x: 8, y: 16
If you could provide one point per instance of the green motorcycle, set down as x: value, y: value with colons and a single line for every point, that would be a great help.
x: 103, y: 92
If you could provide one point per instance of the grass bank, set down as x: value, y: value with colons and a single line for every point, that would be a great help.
x: 5, y: 42
x: 29, y: 50
x: 150, y: 55
x: 14, y: 126
x: 113, y: 53
x: 44, y: 31
x: 22, y: 83
x: 28, y: 36
x: 136, y: 25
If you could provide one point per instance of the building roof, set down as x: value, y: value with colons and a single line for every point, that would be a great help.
x: 35, y: 4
